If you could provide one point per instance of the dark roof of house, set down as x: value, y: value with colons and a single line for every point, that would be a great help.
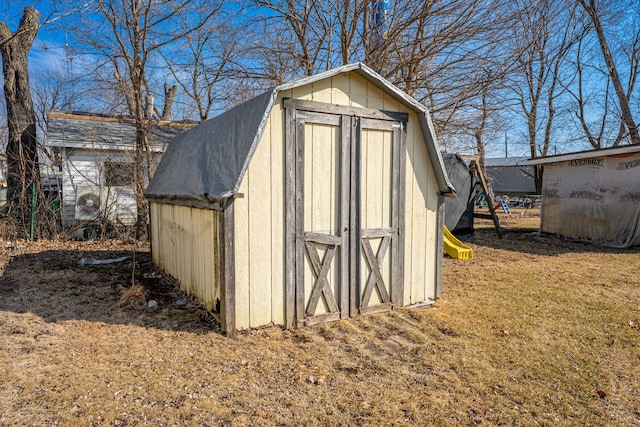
x: 88, y: 130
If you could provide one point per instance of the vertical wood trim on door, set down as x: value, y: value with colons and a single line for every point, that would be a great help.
x: 397, y: 292
x: 299, y: 221
x: 345, y: 211
x: 440, y: 245
x: 290, y: 217
x: 395, y: 214
x: 354, y: 218
x: 226, y: 230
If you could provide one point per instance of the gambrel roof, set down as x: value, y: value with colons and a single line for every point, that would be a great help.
x: 204, y: 166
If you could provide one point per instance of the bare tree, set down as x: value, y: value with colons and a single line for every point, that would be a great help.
x: 578, y: 91
x: 543, y: 35
x: 306, y: 21
x: 272, y: 52
x: 206, y: 64
x: 130, y: 36
x: 593, y: 12
x: 432, y: 49
x: 22, y: 146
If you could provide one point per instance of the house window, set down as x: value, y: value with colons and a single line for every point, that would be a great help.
x: 118, y: 174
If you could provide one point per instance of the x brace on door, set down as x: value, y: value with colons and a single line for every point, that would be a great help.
x: 375, y: 279
x: 320, y: 271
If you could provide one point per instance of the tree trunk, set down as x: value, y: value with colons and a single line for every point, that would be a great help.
x: 627, y: 117
x: 22, y: 147
x: 533, y: 148
x: 141, y: 204
x: 170, y: 93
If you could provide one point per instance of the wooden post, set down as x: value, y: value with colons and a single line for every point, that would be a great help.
x: 290, y: 218
x: 227, y: 264
x: 475, y: 167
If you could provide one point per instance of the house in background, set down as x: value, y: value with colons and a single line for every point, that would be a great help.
x: 96, y: 155
x: 592, y: 195
x: 50, y: 177
x: 510, y: 176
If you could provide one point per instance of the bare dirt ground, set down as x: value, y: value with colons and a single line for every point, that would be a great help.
x: 534, y: 330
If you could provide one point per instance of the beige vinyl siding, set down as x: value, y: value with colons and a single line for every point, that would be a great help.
x: 275, y: 130
x: 421, y: 220
x: 185, y: 244
x: 259, y: 231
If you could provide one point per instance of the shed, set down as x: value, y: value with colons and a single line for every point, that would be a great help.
x: 315, y: 201
x: 96, y: 159
x: 510, y: 176
x: 593, y: 195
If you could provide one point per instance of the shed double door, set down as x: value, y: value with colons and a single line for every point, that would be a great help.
x: 344, y: 210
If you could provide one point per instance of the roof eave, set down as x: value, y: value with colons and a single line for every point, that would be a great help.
x: 611, y: 151
x: 102, y: 147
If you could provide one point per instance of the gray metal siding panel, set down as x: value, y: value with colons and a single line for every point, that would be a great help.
x: 511, y: 179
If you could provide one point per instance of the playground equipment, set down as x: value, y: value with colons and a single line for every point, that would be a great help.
x: 455, y: 248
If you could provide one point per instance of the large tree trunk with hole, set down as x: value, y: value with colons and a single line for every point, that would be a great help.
x: 22, y: 148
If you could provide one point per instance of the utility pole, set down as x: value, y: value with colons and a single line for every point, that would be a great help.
x: 506, y: 146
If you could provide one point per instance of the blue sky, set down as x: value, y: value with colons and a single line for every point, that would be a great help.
x: 47, y: 51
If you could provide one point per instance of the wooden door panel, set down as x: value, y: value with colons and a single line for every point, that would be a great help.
x: 322, y: 179
x: 377, y: 223
x: 344, y: 185
x: 322, y: 224
x: 375, y: 178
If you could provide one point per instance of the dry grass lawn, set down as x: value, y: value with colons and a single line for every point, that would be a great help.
x: 534, y: 330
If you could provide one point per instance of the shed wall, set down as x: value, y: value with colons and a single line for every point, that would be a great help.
x: 511, y: 180
x: 260, y: 216
x: 185, y: 244
x: 595, y: 199
x: 421, y: 222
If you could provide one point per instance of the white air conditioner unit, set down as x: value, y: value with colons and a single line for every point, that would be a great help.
x: 116, y: 204
x: 88, y: 203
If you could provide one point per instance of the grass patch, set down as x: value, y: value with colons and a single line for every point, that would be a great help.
x: 533, y: 331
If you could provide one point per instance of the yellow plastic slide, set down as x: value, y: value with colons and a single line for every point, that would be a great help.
x: 455, y: 248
